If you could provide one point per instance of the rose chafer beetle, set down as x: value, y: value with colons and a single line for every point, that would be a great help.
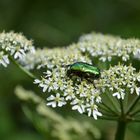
x: 83, y: 70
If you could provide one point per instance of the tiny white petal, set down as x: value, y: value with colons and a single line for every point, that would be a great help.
x: 138, y: 90
x: 117, y: 94
x: 51, y: 98
x: 37, y: 81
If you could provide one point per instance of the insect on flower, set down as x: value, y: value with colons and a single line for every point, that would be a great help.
x: 83, y: 70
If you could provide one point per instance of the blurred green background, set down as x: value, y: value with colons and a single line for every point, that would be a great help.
x: 53, y: 23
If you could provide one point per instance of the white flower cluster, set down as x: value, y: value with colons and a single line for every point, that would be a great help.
x: 106, y: 47
x: 15, y: 45
x: 120, y: 80
x: 50, y: 58
x: 79, y: 93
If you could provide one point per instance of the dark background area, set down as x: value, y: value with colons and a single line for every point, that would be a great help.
x: 53, y: 23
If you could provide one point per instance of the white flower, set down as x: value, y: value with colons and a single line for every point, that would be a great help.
x: 93, y: 111
x: 55, y: 101
x: 105, y: 47
x: 117, y: 94
x: 138, y: 78
x: 120, y: 94
x: 98, y: 99
x: 37, y: 81
x: 96, y: 96
x: 137, y: 53
x: 15, y: 45
x: 120, y: 80
x: 78, y: 105
x: 19, y: 54
x: 48, y: 73
x: 41, y: 83
x: 69, y: 94
x: 138, y: 90
x: 103, y: 58
x: 4, y: 59
x: 131, y: 90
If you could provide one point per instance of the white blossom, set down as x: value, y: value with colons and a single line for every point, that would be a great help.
x: 42, y: 83
x: 84, y: 96
x: 105, y: 47
x: 15, y: 45
x: 78, y: 105
x: 138, y: 90
x: 93, y: 111
x: 55, y: 101
x: 120, y: 80
x: 4, y: 60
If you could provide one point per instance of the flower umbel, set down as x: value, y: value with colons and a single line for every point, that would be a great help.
x: 78, y: 92
x: 14, y: 45
x: 98, y: 76
x: 120, y: 80
x: 84, y: 95
x: 106, y: 47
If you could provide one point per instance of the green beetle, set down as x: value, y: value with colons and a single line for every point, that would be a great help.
x: 83, y: 70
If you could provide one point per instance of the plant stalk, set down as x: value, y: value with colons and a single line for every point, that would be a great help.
x: 29, y: 74
x: 120, y: 133
x: 133, y: 104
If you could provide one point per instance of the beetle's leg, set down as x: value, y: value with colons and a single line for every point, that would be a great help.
x: 94, y: 85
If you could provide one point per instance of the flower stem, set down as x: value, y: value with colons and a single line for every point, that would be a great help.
x: 112, y: 102
x: 22, y: 69
x: 136, y: 120
x: 122, y: 108
x: 108, y: 118
x: 132, y: 105
x: 120, y: 133
x: 135, y: 113
x: 109, y: 109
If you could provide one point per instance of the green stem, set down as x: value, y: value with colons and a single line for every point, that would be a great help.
x: 22, y: 69
x: 136, y: 120
x: 122, y: 109
x: 120, y: 133
x: 109, y: 109
x: 125, y: 101
x: 108, y: 114
x: 112, y: 101
x: 135, y: 113
x: 107, y: 118
x: 103, y: 109
x: 132, y: 105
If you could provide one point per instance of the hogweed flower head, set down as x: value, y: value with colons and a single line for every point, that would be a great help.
x: 106, y: 47
x: 68, y: 90
x: 79, y: 93
x: 50, y: 58
x: 15, y: 45
x: 120, y: 80
x: 82, y: 95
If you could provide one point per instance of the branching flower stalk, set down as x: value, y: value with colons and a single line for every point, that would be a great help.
x: 114, y: 96
x: 14, y: 47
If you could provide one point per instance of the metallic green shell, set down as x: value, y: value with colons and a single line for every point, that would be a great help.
x: 85, y: 68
